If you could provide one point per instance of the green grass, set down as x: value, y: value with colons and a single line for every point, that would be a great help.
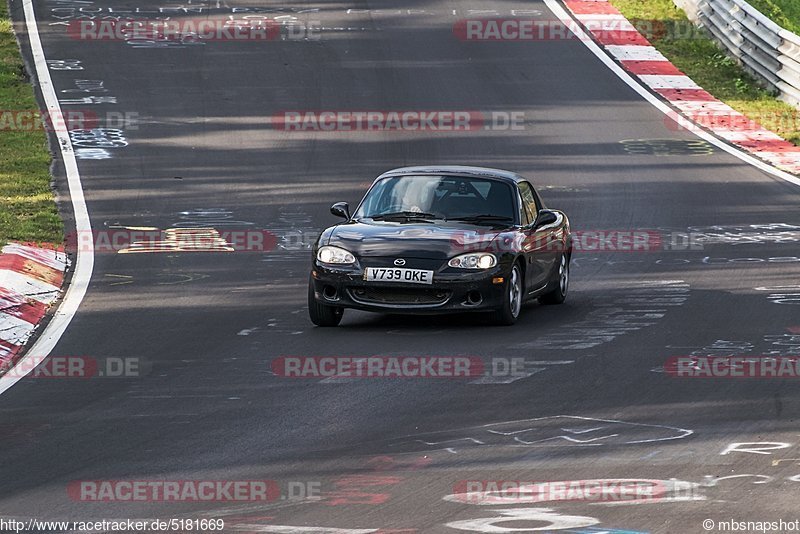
x: 784, y: 12
x: 707, y: 64
x: 27, y: 209
x: 791, y: 8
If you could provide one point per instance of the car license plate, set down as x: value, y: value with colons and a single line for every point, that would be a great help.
x: 393, y: 274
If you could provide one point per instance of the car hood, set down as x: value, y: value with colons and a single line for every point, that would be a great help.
x: 411, y: 240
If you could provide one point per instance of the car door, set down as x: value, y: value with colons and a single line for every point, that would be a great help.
x: 540, y: 245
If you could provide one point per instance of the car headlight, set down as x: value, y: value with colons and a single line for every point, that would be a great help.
x: 479, y: 260
x: 335, y: 255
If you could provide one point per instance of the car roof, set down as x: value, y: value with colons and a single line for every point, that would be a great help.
x: 455, y: 170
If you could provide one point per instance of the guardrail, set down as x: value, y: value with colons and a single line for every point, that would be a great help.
x: 765, y: 49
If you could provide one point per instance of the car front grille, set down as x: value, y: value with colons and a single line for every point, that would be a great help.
x: 390, y: 296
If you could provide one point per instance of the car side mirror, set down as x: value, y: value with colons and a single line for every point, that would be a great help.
x: 341, y: 209
x: 544, y: 218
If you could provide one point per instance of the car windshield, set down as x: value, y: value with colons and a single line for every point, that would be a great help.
x: 439, y: 197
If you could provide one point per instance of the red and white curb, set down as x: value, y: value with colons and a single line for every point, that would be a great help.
x: 640, y: 59
x: 30, y: 282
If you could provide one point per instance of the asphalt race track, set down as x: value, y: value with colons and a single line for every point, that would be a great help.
x: 594, y: 402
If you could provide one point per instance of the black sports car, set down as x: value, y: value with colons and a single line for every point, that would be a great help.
x: 441, y: 239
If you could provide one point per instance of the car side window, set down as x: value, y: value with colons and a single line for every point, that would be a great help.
x: 528, y: 201
x: 523, y: 212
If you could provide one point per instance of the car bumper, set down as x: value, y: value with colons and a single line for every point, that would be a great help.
x: 449, y: 292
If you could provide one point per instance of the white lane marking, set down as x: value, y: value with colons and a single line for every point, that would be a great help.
x: 559, y: 12
x: 84, y: 263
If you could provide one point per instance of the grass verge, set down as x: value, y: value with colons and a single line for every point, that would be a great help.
x: 27, y: 208
x: 693, y: 52
x: 784, y: 12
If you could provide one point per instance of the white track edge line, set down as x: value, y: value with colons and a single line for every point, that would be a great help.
x: 688, y: 125
x: 84, y: 263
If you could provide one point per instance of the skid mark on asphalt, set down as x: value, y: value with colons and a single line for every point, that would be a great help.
x: 769, y: 346
x: 498, y: 370
x: 296, y: 236
x: 273, y: 327
x: 169, y: 279
x: 531, y: 367
x: 247, y: 331
x: 208, y: 217
x: 345, y: 379
x: 640, y: 307
x: 774, y: 233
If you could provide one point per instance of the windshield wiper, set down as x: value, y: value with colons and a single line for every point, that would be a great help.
x: 413, y: 215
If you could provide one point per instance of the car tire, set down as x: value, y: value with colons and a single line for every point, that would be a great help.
x: 320, y: 314
x: 561, y: 282
x: 513, y: 293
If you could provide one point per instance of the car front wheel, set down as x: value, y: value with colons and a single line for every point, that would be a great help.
x: 512, y: 298
x: 320, y: 314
